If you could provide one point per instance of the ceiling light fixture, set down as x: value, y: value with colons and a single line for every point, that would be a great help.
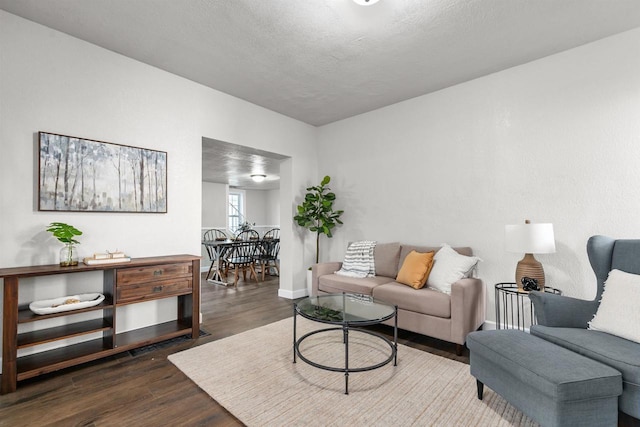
x: 258, y: 177
x: 365, y: 2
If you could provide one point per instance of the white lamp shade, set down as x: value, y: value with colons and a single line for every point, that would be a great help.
x: 530, y: 238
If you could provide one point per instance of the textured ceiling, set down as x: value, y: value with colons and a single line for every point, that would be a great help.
x: 321, y: 61
x: 233, y: 164
x: 324, y: 60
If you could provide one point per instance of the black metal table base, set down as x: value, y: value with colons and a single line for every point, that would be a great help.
x: 514, y: 310
x: 346, y: 329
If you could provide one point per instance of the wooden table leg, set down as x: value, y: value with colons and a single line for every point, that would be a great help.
x: 10, y: 336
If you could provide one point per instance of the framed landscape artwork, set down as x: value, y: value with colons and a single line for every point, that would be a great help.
x: 83, y: 175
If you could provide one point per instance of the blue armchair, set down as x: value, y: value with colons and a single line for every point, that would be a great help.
x: 563, y: 320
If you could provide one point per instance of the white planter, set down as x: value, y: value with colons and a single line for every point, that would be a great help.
x: 309, y: 282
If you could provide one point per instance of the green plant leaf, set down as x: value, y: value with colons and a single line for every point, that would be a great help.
x: 316, y: 211
x: 64, y: 232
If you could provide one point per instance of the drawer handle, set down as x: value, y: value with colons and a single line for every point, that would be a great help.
x: 157, y: 289
x: 157, y: 273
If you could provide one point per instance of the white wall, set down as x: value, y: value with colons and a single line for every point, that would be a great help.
x: 214, y: 212
x: 272, y: 207
x: 53, y: 82
x: 556, y: 140
x: 255, y: 204
x: 214, y: 205
x: 263, y: 207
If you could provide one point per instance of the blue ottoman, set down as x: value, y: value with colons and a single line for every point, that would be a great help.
x: 550, y: 384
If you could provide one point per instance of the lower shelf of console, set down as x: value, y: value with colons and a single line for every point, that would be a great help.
x: 64, y: 357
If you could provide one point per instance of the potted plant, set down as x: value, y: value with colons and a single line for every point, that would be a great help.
x: 245, y: 226
x: 66, y: 233
x: 316, y: 212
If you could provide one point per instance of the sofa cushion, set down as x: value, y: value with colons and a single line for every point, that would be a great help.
x: 618, y: 312
x: 386, y: 257
x: 332, y: 283
x: 450, y: 266
x: 415, y: 269
x: 426, y: 301
x: 406, y: 250
x: 609, y: 349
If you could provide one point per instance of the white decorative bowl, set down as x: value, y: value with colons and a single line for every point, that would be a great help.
x: 57, y: 305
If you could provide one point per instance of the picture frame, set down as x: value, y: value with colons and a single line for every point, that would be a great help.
x: 84, y: 175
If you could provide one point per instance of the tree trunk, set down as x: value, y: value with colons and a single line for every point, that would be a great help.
x: 66, y: 176
x: 141, y: 182
x: 317, y: 247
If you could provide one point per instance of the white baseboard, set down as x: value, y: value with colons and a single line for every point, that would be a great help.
x: 300, y: 293
x: 489, y: 325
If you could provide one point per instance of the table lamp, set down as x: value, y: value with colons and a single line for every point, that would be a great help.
x: 530, y: 239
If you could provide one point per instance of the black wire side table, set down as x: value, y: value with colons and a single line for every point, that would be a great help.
x: 514, y: 310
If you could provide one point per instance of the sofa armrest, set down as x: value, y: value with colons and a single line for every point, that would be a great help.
x: 468, y: 307
x: 562, y: 311
x: 322, y: 269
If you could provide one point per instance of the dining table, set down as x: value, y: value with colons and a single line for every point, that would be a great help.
x: 214, y: 275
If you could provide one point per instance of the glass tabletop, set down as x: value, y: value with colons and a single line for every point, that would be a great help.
x: 345, y: 308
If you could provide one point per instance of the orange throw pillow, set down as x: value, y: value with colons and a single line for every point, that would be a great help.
x: 415, y: 269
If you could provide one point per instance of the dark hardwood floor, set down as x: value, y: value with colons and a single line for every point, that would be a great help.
x: 147, y: 390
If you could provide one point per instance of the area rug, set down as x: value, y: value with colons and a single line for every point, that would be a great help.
x: 253, y: 376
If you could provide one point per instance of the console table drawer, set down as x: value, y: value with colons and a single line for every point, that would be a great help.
x: 138, y: 292
x: 127, y: 276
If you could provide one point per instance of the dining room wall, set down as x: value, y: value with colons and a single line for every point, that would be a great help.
x: 256, y: 202
x: 263, y: 207
x: 214, y: 213
x: 272, y: 207
x: 214, y: 205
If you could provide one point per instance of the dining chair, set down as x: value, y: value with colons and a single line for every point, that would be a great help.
x: 209, y: 235
x: 274, y: 233
x: 241, y: 257
x: 268, y: 250
x: 248, y: 235
x: 215, y: 234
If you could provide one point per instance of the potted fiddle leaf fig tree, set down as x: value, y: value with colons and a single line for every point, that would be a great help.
x: 66, y: 233
x: 316, y: 212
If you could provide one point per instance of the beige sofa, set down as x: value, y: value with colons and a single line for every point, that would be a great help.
x: 425, y: 311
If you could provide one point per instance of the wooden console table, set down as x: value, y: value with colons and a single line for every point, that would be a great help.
x: 142, y: 279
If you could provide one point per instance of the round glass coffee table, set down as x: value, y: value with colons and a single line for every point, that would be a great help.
x: 348, y: 312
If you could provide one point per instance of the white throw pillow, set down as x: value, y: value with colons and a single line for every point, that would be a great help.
x: 448, y: 267
x: 618, y: 313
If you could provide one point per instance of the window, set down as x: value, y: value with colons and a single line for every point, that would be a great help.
x: 236, y: 209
